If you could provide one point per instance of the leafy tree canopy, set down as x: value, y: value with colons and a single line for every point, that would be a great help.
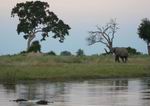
x: 144, y: 30
x: 34, y: 17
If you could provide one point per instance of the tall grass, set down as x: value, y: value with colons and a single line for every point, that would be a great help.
x: 58, y: 68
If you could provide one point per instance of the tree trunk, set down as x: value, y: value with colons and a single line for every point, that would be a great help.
x: 110, y: 47
x: 148, y: 47
x: 31, y: 37
x: 28, y: 44
x: 106, y: 51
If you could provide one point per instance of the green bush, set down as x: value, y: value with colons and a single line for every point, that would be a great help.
x: 133, y: 51
x: 35, y: 47
x: 65, y: 53
x: 80, y: 52
x: 52, y: 53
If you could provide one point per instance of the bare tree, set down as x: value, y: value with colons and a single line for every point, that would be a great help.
x: 104, y: 35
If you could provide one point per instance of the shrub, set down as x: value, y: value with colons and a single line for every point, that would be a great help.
x: 65, y: 53
x: 80, y: 52
x: 23, y: 52
x: 35, y: 47
x: 133, y: 51
x: 52, y: 53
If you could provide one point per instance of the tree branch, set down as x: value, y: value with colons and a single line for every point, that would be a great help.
x: 100, y: 35
x: 36, y: 30
x: 103, y: 31
x: 104, y: 35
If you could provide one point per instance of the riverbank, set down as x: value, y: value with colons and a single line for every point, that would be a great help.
x: 60, y: 68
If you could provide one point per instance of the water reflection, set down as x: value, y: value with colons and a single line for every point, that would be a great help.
x: 106, y: 92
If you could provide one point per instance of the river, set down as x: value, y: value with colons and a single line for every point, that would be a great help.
x: 101, y: 92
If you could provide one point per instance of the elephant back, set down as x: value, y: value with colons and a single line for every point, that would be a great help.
x: 120, y: 51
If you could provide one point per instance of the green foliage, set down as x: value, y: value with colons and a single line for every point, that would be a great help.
x: 52, y: 53
x: 34, y: 17
x: 80, y: 52
x: 144, y: 30
x: 23, y: 52
x: 133, y: 51
x: 65, y: 53
x: 35, y: 47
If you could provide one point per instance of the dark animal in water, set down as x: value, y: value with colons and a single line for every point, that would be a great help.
x: 120, y: 52
x: 42, y: 102
x: 20, y: 100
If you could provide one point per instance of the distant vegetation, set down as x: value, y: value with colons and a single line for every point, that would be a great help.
x: 35, y: 47
x: 51, y: 53
x: 133, y: 51
x: 65, y: 53
x: 80, y: 52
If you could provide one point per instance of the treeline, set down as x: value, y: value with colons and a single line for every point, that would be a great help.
x: 80, y: 52
x: 36, y: 48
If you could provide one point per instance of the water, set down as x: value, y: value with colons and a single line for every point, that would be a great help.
x: 106, y: 92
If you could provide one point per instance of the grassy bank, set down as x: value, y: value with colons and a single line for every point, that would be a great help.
x: 58, y: 68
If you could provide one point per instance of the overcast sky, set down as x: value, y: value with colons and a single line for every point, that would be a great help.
x: 82, y: 16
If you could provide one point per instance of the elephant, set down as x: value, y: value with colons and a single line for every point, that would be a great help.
x: 120, y: 52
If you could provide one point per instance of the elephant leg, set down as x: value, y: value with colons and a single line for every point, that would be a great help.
x: 122, y: 58
x: 126, y: 59
x: 117, y: 58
